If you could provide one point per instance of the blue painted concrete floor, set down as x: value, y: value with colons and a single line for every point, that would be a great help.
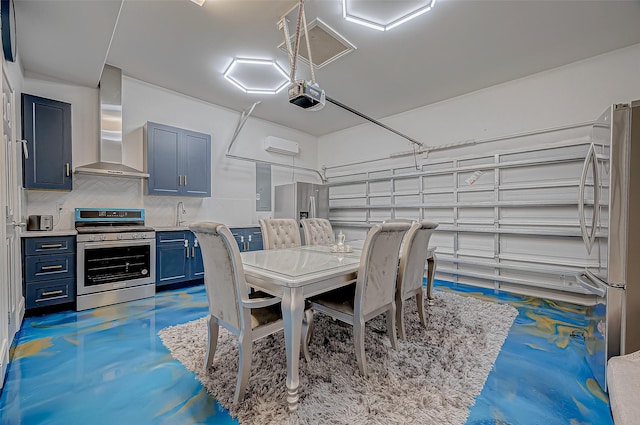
x: 108, y: 366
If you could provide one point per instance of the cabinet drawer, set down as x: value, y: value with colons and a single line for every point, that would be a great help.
x: 49, y: 245
x: 50, y: 292
x: 174, y: 237
x: 46, y: 267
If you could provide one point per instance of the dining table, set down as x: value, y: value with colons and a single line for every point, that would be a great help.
x: 296, y: 274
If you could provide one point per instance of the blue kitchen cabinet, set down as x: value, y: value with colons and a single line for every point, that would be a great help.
x: 178, y: 161
x: 178, y: 258
x: 46, y: 127
x: 49, y: 270
x: 248, y: 238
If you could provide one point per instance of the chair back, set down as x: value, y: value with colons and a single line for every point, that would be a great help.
x: 280, y: 233
x: 376, y: 284
x: 224, y: 280
x: 413, y: 256
x: 317, y: 231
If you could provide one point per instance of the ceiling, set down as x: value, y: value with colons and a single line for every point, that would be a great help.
x: 457, y: 47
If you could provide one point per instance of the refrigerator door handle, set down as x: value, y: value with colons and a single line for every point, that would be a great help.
x: 596, y: 198
x: 587, y: 283
x: 590, y: 160
x: 312, y: 207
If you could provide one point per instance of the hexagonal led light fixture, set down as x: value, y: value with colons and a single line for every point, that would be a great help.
x: 257, y: 76
x: 413, y: 13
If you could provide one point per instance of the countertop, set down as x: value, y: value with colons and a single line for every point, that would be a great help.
x: 180, y: 228
x: 170, y: 228
x: 41, y: 233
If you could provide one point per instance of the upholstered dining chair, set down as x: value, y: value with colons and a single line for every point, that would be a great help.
x: 371, y: 295
x: 247, y: 316
x: 280, y: 233
x: 317, y: 231
x: 413, y: 256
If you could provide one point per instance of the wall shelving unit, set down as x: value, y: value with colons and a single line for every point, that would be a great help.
x: 508, y: 220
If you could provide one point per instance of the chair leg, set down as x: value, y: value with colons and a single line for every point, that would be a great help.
x: 391, y: 326
x: 358, y: 340
x: 244, y: 364
x: 420, y: 304
x: 400, y: 318
x: 307, y: 333
x: 431, y: 273
x: 212, y: 344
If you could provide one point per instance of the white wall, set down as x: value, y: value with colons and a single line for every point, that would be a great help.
x: 574, y: 93
x: 233, y: 181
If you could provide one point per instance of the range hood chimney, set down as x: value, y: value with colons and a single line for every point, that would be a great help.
x: 110, y: 161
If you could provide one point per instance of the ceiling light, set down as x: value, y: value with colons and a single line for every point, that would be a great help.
x: 249, y: 75
x: 199, y: 2
x: 351, y: 17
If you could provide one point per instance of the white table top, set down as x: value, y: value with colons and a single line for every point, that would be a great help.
x: 296, y: 267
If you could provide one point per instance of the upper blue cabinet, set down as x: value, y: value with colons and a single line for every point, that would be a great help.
x: 46, y: 126
x: 178, y: 161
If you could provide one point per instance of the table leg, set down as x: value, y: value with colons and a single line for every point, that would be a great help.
x: 292, y: 312
x: 431, y: 273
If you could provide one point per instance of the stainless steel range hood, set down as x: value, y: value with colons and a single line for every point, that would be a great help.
x: 110, y: 161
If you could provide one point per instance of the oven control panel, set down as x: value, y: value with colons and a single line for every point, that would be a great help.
x: 127, y: 236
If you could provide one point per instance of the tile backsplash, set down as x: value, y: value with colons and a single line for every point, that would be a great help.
x: 118, y: 192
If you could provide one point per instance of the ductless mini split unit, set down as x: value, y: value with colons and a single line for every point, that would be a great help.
x: 281, y: 146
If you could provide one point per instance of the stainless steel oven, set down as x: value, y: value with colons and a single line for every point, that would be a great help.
x: 116, y: 257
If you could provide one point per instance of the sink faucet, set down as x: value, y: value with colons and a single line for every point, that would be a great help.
x: 179, y: 211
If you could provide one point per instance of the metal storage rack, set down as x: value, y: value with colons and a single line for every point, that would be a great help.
x: 508, y: 220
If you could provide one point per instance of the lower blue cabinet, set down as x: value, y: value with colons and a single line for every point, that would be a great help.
x: 248, y: 238
x: 49, y: 270
x: 178, y: 258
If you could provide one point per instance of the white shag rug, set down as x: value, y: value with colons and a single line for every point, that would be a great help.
x: 433, y: 377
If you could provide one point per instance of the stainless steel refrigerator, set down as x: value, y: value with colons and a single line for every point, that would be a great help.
x: 611, y: 230
x: 301, y: 200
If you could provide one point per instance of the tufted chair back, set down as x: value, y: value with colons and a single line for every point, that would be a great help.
x: 413, y: 257
x: 224, y: 275
x: 317, y: 231
x: 376, y: 284
x: 280, y: 233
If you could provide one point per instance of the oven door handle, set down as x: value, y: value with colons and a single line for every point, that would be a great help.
x: 111, y: 244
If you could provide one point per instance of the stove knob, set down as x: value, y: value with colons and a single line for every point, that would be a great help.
x: 102, y: 237
x: 119, y: 236
x: 92, y: 237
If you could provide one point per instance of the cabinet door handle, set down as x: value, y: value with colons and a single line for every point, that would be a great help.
x: 68, y: 168
x: 56, y: 267
x: 51, y: 246
x: 185, y: 180
x: 179, y: 180
x: 49, y: 293
x: 186, y: 250
x: 193, y: 252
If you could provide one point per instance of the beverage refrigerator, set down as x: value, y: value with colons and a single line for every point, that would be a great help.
x: 610, y: 224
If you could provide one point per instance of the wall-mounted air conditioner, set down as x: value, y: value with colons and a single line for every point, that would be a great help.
x: 282, y: 146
